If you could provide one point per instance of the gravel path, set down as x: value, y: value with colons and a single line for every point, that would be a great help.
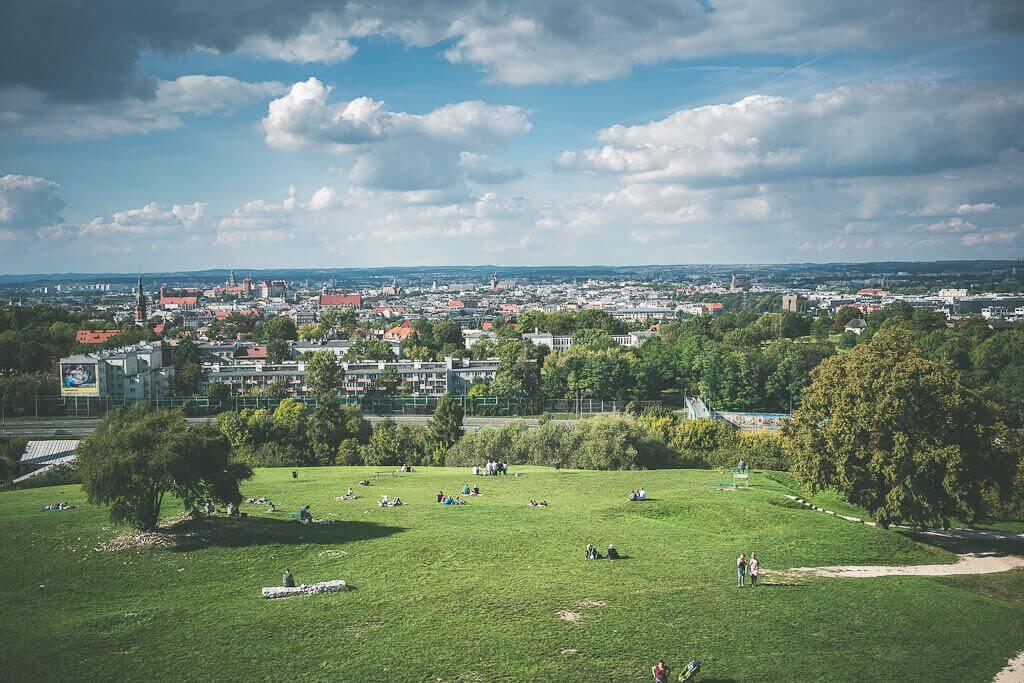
x: 968, y: 563
x: 1013, y: 672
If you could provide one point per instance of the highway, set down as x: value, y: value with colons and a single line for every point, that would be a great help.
x: 80, y: 426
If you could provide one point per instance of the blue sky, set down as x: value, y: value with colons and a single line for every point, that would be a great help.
x: 321, y: 133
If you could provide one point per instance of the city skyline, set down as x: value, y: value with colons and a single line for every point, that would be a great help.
x: 544, y: 134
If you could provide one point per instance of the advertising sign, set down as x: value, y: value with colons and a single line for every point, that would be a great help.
x: 79, y: 379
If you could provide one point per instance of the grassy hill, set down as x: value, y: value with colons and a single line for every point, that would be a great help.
x: 474, y: 593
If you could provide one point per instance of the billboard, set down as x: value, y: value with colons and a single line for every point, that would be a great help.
x: 79, y: 379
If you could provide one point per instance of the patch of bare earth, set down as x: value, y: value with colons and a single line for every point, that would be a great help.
x: 591, y: 603
x: 1013, y: 672
x: 571, y: 617
x: 967, y: 563
x: 169, y: 535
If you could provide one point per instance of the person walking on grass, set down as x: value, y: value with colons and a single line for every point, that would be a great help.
x: 752, y: 568
x: 660, y: 672
x: 741, y: 569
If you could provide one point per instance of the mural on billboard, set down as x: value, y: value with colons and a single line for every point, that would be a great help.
x: 79, y: 378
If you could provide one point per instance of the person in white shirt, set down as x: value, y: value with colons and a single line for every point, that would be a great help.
x: 642, y: 493
x: 753, y: 566
x: 383, y: 500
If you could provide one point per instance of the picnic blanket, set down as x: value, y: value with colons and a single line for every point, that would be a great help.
x: 305, y: 589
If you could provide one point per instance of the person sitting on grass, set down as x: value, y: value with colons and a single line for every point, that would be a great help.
x: 613, y: 554
x: 476, y: 491
x: 533, y: 503
x: 383, y: 500
x: 350, y: 494
x: 232, y: 510
x: 396, y: 502
x: 288, y: 581
x: 633, y: 496
x: 465, y: 490
x: 304, y: 514
x: 543, y: 503
x: 440, y: 496
x: 641, y: 494
x: 208, y: 508
x: 592, y: 553
x: 271, y: 508
x: 364, y: 482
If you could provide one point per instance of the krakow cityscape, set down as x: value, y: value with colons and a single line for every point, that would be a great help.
x: 481, y: 341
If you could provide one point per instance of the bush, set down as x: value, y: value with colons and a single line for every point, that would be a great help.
x: 705, y: 443
x: 276, y: 454
x: 605, y: 442
x: 349, y: 453
x: 764, y: 450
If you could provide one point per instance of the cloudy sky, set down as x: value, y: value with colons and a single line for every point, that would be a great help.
x: 192, y: 134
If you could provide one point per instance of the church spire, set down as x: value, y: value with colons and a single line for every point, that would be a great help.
x: 140, y: 303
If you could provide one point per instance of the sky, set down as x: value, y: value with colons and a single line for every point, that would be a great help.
x: 313, y: 133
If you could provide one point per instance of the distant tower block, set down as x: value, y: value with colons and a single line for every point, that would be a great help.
x: 494, y: 281
x: 790, y: 302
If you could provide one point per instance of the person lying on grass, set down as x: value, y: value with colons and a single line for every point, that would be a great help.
x: 613, y: 554
x: 63, y: 505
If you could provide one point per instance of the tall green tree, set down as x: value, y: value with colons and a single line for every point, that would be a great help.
x: 137, y: 456
x: 324, y: 375
x: 900, y: 435
x: 445, y: 427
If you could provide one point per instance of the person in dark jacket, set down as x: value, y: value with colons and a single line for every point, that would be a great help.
x: 288, y: 581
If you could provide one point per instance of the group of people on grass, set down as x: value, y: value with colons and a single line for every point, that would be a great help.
x: 747, y: 567
x: 392, y: 503
x: 454, y: 500
x: 542, y: 504
x: 63, y: 505
x: 660, y: 671
x: 492, y: 468
x: 592, y: 553
x: 638, y: 495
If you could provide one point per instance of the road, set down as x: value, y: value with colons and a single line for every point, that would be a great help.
x: 80, y: 426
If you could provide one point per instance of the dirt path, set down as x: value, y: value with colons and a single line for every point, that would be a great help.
x: 1013, y: 672
x: 968, y: 563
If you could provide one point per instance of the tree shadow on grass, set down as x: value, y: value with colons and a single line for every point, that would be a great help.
x: 238, y: 532
x: 962, y: 541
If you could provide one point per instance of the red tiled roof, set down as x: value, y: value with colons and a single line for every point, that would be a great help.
x: 252, y: 352
x: 354, y: 300
x: 400, y: 331
x: 179, y: 300
x: 95, y: 336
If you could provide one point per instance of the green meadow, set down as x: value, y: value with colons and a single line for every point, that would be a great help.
x: 490, y: 591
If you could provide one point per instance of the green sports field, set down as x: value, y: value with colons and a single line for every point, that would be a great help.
x: 492, y: 591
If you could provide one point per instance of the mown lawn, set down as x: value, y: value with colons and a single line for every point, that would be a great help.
x: 473, y: 593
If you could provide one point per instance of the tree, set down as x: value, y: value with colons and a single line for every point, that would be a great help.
x: 330, y: 425
x: 188, y: 368
x: 279, y: 327
x: 324, y: 375
x: 445, y: 428
x: 900, y: 435
x: 391, y: 444
x: 370, y: 349
x: 218, y: 391
x: 136, y: 456
x: 278, y: 351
